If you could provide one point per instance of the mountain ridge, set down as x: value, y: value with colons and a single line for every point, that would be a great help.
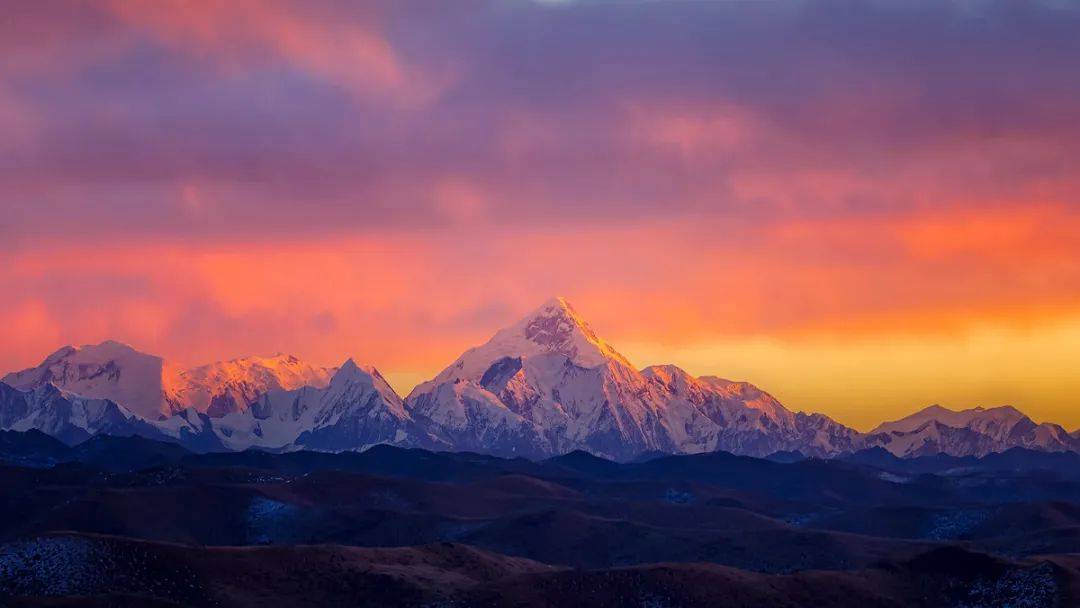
x: 544, y: 386
x: 154, y: 388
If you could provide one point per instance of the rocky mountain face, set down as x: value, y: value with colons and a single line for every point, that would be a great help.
x: 232, y: 386
x: 545, y: 386
x: 155, y: 389
x: 68, y: 417
x: 109, y: 370
x: 356, y: 410
x: 549, y: 385
x: 974, y: 432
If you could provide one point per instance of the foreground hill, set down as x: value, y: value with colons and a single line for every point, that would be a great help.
x: 576, y: 510
x: 135, y: 522
x: 82, y: 570
x: 114, y: 568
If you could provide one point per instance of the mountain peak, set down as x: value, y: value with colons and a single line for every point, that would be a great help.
x: 554, y: 328
x: 109, y: 348
x: 113, y: 344
x: 104, y: 349
x: 669, y: 374
x: 348, y: 368
x: 350, y: 372
x: 1003, y: 415
x: 107, y: 370
x: 351, y: 377
x: 230, y: 386
x: 557, y: 302
x: 557, y: 308
x: 557, y: 328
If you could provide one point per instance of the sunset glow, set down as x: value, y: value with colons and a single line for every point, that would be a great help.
x: 862, y: 224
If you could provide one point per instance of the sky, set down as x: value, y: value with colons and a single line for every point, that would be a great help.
x: 862, y: 207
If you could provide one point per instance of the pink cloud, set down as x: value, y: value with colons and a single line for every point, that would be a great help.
x: 353, y: 54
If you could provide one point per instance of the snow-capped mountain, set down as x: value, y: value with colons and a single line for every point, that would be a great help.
x: 155, y: 389
x: 68, y: 417
x: 231, y: 386
x: 277, y: 402
x: 548, y: 385
x: 355, y: 410
x: 974, y: 432
x: 109, y: 370
x: 751, y: 421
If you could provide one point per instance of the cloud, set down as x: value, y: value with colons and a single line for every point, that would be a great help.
x: 352, y: 53
x: 329, y: 118
x: 393, y: 180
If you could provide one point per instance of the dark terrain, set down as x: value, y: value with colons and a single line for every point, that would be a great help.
x: 132, y: 522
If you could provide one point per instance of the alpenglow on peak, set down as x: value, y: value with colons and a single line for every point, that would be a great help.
x: 554, y: 328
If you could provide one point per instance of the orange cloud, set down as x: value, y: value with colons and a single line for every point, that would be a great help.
x: 837, y: 291
x: 1023, y: 233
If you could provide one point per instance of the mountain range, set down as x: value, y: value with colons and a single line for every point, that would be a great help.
x: 545, y: 386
